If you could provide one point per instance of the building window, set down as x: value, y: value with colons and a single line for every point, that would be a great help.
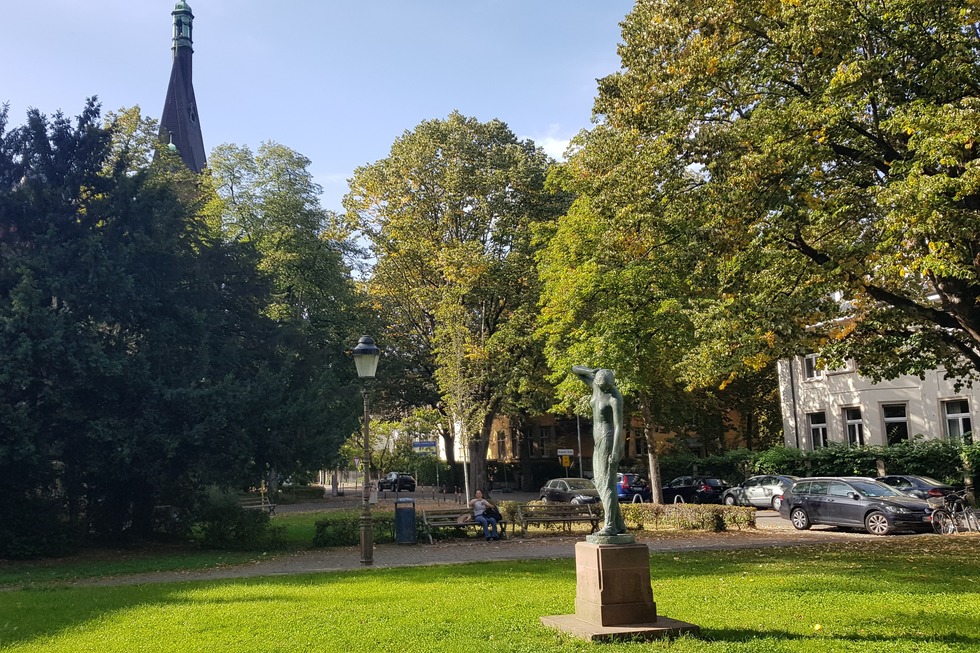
x: 502, y: 445
x: 641, y: 442
x: 896, y: 423
x: 810, y: 369
x: 818, y: 429
x: 544, y: 442
x: 958, y: 423
x: 854, y: 427
x: 534, y: 443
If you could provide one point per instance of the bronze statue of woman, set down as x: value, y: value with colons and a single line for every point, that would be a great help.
x: 607, y: 432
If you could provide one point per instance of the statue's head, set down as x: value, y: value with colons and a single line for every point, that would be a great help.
x: 604, y: 380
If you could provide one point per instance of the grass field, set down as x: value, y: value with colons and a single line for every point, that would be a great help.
x: 893, y: 594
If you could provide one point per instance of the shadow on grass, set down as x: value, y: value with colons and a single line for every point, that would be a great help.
x: 873, y: 641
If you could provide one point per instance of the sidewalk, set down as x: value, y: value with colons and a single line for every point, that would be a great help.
x: 339, y: 559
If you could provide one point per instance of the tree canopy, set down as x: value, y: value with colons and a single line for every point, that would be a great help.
x: 812, y: 166
x: 271, y: 203
x: 449, y: 216
x: 129, y: 335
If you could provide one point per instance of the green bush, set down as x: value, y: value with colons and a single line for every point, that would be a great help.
x: 343, y: 528
x: 34, y: 527
x: 222, y: 523
x: 686, y: 516
x: 780, y: 460
x: 942, y: 459
x: 299, y: 494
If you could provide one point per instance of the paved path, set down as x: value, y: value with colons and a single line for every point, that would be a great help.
x: 339, y: 559
x: 770, y: 532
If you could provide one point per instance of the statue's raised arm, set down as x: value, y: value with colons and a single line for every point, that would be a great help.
x: 585, y: 374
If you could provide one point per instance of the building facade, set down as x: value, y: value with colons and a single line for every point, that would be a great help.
x: 821, y: 407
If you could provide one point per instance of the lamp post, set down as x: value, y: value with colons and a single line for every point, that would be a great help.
x: 366, y: 355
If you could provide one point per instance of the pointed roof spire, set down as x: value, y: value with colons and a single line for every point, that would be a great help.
x: 179, y: 124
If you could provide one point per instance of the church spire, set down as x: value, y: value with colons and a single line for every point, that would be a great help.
x: 179, y: 125
x: 183, y: 24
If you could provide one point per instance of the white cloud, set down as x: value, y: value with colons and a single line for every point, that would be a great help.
x: 552, y: 142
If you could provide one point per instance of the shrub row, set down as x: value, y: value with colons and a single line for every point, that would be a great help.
x: 342, y: 528
x: 945, y: 460
x: 687, y: 517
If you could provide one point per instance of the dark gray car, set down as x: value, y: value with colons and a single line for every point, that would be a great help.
x: 853, y: 501
x: 920, y: 487
x: 570, y: 490
x: 397, y: 481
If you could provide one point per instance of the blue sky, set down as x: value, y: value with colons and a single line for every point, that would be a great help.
x: 336, y: 80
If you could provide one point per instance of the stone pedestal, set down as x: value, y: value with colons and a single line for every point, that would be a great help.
x: 614, y: 599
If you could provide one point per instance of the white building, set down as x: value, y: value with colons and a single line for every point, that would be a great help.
x: 824, y: 407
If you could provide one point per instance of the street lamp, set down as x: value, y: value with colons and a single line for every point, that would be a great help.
x: 366, y: 355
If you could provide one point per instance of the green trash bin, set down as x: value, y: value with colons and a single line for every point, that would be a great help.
x: 405, y: 530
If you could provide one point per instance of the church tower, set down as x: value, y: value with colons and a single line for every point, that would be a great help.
x: 180, y: 126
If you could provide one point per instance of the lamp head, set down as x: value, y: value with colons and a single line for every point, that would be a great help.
x: 366, y: 355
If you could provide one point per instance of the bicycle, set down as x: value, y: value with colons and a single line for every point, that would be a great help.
x: 952, y: 514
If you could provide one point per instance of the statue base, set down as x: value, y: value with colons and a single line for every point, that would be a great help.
x: 614, y: 599
x: 624, y: 538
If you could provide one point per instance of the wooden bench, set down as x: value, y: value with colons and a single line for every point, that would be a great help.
x: 260, y: 502
x: 437, y: 518
x: 558, y: 513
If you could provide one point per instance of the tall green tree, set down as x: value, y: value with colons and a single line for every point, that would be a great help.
x: 611, y: 299
x: 449, y: 215
x: 821, y: 158
x: 127, y: 334
x: 271, y: 202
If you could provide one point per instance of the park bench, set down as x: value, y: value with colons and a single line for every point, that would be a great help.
x: 260, y: 502
x: 434, y: 519
x: 558, y: 513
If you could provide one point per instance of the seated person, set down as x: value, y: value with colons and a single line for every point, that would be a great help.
x: 479, y: 506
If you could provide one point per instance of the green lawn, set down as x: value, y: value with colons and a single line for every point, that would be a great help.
x: 893, y: 594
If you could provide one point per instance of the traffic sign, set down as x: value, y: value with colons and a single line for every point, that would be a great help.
x: 566, y: 452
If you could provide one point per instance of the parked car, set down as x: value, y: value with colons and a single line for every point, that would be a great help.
x: 631, y: 486
x: 853, y: 501
x: 397, y: 481
x: 921, y: 487
x: 570, y: 490
x: 764, y: 491
x: 694, y: 489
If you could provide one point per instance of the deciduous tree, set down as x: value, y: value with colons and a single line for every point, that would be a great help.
x: 271, y: 202
x: 820, y: 157
x: 449, y: 215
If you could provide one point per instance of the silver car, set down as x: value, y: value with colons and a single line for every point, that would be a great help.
x: 764, y: 491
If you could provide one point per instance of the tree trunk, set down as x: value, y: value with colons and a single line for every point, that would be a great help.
x: 653, y: 461
x: 478, y: 454
x: 449, y: 442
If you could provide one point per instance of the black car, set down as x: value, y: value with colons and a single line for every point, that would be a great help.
x: 397, y: 481
x: 570, y: 490
x: 632, y: 488
x: 694, y: 489
x: 764, y: 491
x: 853, y: 501
x: 921, y: 487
